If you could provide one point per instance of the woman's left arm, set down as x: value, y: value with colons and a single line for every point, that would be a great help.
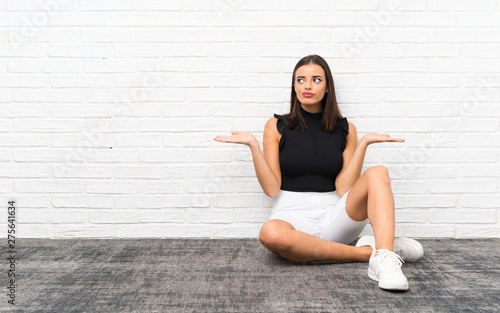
x: 354, y: 156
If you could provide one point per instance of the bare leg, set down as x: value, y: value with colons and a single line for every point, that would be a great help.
x: 281, y: 238
x: 371, y: 196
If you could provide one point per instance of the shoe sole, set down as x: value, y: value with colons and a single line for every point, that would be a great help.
x: 386, y: 286
x: 412, y: 245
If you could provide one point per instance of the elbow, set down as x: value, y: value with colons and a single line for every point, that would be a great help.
x: 272, y: 193
x: 340, y: 193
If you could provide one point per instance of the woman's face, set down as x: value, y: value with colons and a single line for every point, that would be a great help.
x: 310, y: 84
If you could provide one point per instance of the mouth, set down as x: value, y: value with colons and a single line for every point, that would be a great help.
x: 308, y: 94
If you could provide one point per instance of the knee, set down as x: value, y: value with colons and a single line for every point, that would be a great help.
x: 273, y: 237
x: 379, y: 173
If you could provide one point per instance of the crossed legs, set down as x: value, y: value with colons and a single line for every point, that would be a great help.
x: 370, y: 197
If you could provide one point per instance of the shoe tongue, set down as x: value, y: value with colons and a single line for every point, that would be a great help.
x: 382, y: 251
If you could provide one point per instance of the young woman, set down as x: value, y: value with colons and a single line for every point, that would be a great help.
x: 311, y: 166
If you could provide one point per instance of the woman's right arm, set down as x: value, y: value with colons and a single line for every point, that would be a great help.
x: 266, y: 163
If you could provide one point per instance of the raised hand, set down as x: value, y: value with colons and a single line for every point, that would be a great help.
x: 370, y: 138
x: 238, y: 137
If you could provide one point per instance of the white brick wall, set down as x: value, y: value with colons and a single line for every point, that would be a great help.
x: 108, y: 109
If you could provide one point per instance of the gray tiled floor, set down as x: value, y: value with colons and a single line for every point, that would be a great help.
x: 239, y: 275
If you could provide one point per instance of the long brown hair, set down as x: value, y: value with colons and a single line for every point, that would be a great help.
x: 331, y: 111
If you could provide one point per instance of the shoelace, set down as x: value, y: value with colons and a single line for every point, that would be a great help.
x: 394, y: 261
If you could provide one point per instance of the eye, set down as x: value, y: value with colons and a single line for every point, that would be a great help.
x: 299, y: 80
x: 317, y: 80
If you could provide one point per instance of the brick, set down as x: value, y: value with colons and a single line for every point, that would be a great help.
x: 252, y: 216
x: 478, y: 231
x: 139, y: 231
x: 462, y: 5
x: 457, y: 124
x: 47, y: 95
x: 222, y: 200
x: 152, y: 5
x: 84, y: 231
x: 80, y: 50
x: 22, y: 49
x: 409, y: 64
x: 137, y: 201
x: 481, y: 170
x: 458, y: 186
x: 159, y: 18
x: 32, y: 201
x: 143, y: 172
x: 109, y: 65
x: 163, y: 215
x: 139, y: 110
x: 163, y: 155
x: 428, y: 230
x: 24, y: 140
x: 24, y: 170
x: 114, y: 5
x: 411, y: 216
x: 186, y: 231
x: 210, y: 216
x: 187, y: 200
x: 83, y: 171
x: 453, y: 216
x: 360, y: 95
x: 27, y: 5
x: 40, y: 65
x: 162, y: 124
x: 115, y: 125
x: 430, y: 201
x: 358, y: 5
x: 87, y: 110
x: 207, y: 155
x: 84, y: 143
x: 162, y: 187
x: 47, y: 186
x: 179, y: 140
x: 235, y: 231
x: 36, y: 231
x: 467, y: 19
x: 380, y: 110
x: 113, y: 216
x: 187, y: 171
x: 109, y: 187
x: 23, y: 81
x: 490, y: 200
x: 47, y: 155
x: 23, y: 125
x: 138, y: 140
x: 5, y: 125
x: 5, y: 186
x: 112, y: 156
x: 212, y: 185
x: 24, y: 110
x: 51, y: 216
x: 82, y: 81
x: 83, y: 201
x: 434, y: 50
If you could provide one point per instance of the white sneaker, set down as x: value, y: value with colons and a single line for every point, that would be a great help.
x: 385, y: 267
x: 410, y: 250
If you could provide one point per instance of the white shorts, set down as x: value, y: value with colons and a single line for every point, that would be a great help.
x: 321, y: 214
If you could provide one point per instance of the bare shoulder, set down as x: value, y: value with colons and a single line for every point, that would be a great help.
x: 271, y: 129
x: 351, y: 127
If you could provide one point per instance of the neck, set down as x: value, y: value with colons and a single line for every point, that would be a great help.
x: 312, y: 108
